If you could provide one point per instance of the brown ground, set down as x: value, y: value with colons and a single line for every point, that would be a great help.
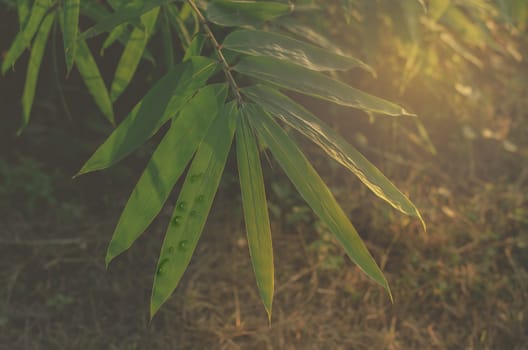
x: 461, y: 285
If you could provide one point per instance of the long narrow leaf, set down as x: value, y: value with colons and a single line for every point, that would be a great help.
x: 280, y: 106
x: 23, y: 39
x: 35, y: 60
x: 294, y: 77
x: 93, y: 80
x: 132, y: 54
x: 255, y: 206
x: 132, y: 11
x: 71, y: 10
x: 260, y: 43
x: 314, y: 191
x: 162, y: 102
x: 193, y: 205
x: 165, y: 167
x: 246, y: 12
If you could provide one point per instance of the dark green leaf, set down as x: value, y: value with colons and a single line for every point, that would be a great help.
x: 165, y: 167
x: 245, y: 12
x: 303, y: 80
x: 314, y: 191
x: 332, y: 143
x: 255, y: 206
x: 93, y: 80
x: 132, y: 11
x: 193, y: 205
x: 33, y: 68
x: 70, y: 30
x: 132, y: 54
x: 23, y: 38
x: 260, y: 43
x: 162, y: 102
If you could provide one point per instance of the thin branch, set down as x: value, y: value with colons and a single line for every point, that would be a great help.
x: 218, y: 49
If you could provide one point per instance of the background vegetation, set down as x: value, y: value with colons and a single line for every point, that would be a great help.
x: 460, y: 65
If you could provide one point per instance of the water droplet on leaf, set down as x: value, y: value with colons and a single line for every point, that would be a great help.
x: 171, y: 250
x: 161, y: 266
x: 195, y: 177
x: 176, y: 220
x: 182, y: 206
x: 200, y: 198
x: 182, y: 246
x: 193, y: 213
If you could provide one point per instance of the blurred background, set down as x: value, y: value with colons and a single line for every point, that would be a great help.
x: 460, y: 65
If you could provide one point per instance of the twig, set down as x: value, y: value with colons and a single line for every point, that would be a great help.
x: 218, y: 49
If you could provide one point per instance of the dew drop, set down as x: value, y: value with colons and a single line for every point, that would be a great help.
x: 182, y: 206
x: 195, y: 177
x: 161, y: 266
x: 171, y: 250
x: 193, y: 213
x: 182, y: 246
x: 200, y: 198
x: 176, y: 220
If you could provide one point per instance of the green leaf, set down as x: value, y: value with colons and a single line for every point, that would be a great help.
x: 23, y: 10
x: 71, y: 10
x: 162, y: 102
x: 33, y: 68
x: 93, y: 80
x: 293, y: 77
x: 260, y: 43
x: 314, y: 191
x: 166, y: 35
x: 165, y: 167
x: 195, y: 48
x: 234, y: 13
x: 283, y: 108
x: 193, y: 205
x: 23, y: 38
x: 132, y: 54
x: 128, y: 13
x: 255, y: 206
x: 178, y: 24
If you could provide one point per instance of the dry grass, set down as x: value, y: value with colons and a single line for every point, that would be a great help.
x: 462, y: 285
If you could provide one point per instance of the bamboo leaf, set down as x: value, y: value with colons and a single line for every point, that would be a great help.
x: 288, y: 111
x: 165, y: 167
x: 132, y: 54
x: 255, y: 206
x: 128, y: 13
x: 195, y: 47
x: 23, y: 10
x: 93, y: 80
x: 71, y: 10
x: 260, y: 43
x: 314, y: 191
x: 193, y: 205
x: 245, y: 12
x: 162, y: 102
x: 33, y: 68
x: 293, y: 77
x: 23, y: 39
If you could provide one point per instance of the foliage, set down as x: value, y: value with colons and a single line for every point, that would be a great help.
x: 266, y: 49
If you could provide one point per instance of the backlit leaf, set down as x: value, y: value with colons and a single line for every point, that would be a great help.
x: 245, y: 12
x: 260, y: 43
x: 162, y: 102
x: 165, y: 167
x: 303, y: 80
x: 314, y: 191
x: 193, y: 205
x: 255, y: 206
x: 291, y: 113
